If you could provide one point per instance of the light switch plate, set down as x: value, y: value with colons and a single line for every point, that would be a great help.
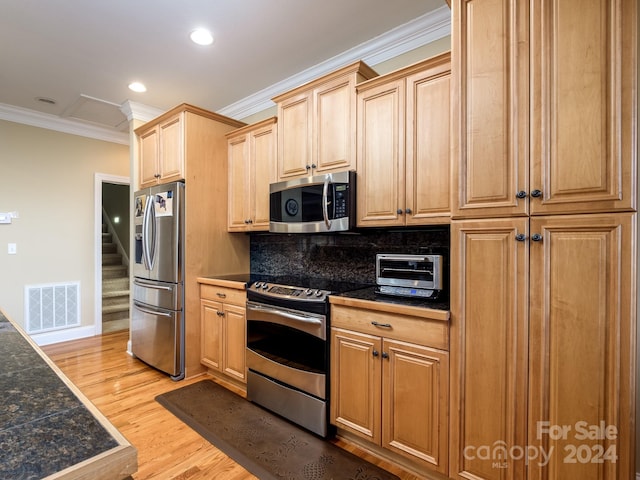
x: 5, y: 217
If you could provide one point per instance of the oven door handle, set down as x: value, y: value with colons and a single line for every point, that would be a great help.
x: 313, y: 324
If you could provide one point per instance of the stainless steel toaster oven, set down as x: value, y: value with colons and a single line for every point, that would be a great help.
x: 409, y: 275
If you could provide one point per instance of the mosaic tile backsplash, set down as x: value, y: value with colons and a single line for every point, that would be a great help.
x: 348, y: 257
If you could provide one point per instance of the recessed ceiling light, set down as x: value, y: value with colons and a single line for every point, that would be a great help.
x: 137, y: 87
x: 201, y: 37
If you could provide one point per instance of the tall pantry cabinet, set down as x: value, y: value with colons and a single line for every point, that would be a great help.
x: 543, y: 239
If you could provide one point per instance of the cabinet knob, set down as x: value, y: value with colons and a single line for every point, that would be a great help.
x: 375, y: 353
x: 536, y: 237
x: 408, y: 211
x: 521, y: 237
x: 399, y: 211
x: 157, y: 175
x: 219, y: 313
x: 308, y: 167
x: 249, y: 221
x: 385, y: 355
x: 536, y: 193
x: 313, y: 165
x: 521, y: 194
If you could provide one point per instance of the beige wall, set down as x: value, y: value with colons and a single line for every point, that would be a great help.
x: 48, y: 178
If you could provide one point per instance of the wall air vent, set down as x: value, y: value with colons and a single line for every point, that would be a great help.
x: 52, y: 307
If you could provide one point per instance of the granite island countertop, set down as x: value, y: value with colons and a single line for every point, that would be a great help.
x: 48, y: 428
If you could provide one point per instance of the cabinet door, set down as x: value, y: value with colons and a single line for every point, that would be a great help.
x: 490, y: 112
x: 584, y: 109
x: 235, y: 342
x: 294, y: 136
x: 149, y: 145
x: 239, y: 164
x: 381, y: 175
x: 415, y: 401
x: 334, y: 143
x: 489, y: 272
x: 582, y: 347
x: 172, y: 149
x: 263, y: 166
x: 356, y: 383
x: 211, y: 318
x: 428, y: 150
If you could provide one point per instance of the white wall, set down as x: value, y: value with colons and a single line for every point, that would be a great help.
x: 48, y: 178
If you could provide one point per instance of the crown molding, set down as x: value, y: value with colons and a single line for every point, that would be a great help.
x: 413, y: 34
x: 64, y: 125
x: 140, y: 111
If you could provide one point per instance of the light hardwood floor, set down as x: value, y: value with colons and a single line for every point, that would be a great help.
x: 124, y: 389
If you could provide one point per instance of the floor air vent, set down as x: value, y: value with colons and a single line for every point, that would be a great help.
x: 52, y: 307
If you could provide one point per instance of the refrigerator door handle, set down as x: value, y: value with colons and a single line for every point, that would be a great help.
x: 148, y: 238
x: 150, y: 285
x: 152, y: 251
x: 150, y: 312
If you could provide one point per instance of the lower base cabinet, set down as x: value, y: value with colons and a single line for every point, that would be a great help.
x: 390, y: 392
x: 223, y: 340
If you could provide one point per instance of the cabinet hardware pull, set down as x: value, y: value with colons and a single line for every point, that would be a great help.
x: 221, y: 295
x: 408, y: 211
x: 383, y: 325
x: 219, y: 313
x: 307, y: 167
x: 385, y: 355
x: 157, y: 175
x: 375, y: 353
x: 521, y: 237
x: 536, y: 193
x: 313, y: 165
x: 249, y: 221
x: 521, y: 194
x: 536, y: 237
x: 399, y: 211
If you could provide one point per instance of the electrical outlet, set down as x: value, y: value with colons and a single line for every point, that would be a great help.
x: 11, y: 249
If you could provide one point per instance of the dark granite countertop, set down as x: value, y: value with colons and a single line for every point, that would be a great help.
x: 44, y: 427
x: 370, y: 294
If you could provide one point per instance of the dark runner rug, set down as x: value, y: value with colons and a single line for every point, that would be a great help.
x: 267, y: 445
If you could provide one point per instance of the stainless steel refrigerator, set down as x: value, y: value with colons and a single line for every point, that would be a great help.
x: 157, y: 321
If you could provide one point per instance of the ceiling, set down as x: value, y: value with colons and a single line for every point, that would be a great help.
x: 83, y: 54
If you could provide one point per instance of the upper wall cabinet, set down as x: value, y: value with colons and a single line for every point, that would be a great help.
x: 545, y: 115
x: 316, y: 132
x: 252, y: 167
x: 161, y: 151
x: 168, y: 143
x: 403, y: 146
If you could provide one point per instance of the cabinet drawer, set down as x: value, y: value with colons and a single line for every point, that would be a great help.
x: 222, y: 294
x: 432, y: 333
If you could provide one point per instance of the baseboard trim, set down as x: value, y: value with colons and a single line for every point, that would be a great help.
x: 65, y: 335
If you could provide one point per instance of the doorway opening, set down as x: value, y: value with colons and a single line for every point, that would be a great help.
x: 113, y: 236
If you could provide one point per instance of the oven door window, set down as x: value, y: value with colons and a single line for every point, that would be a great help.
x: 287, y: 346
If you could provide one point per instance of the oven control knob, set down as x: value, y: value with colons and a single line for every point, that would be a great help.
x: 308, y: 292
x: 257, y: 285
x: 318, y: 293
x: 265, y: 286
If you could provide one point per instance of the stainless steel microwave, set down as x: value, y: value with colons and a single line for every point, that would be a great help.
x: 317, y: 204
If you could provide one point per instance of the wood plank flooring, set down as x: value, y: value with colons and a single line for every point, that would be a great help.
x: 124, y: 389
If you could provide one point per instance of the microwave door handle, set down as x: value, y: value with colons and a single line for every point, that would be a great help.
x: 325, y: 201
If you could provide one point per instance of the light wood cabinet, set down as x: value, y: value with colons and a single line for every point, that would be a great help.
x: 545, y: 116
x: 317, y: 122
x: 223, y: 340
x: 388, y: 391
x: 208, y: 248
x: 547, y: 323
x: 403, y: 146
x: 252, y: 164
x: 162, y: 152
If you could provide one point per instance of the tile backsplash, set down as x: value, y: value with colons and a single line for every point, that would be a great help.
x: 348, y: 257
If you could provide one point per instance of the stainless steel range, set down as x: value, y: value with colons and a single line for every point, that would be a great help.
x: 288, y: 348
